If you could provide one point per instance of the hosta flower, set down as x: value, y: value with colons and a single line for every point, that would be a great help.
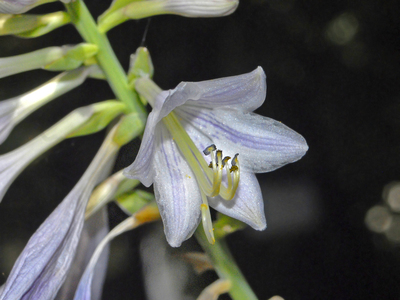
x: 214, y: 116
x: 14, y: 110
x: 43, y: 265
x: 94, y: 230
x: 14, y: 162
x: 147, y: 214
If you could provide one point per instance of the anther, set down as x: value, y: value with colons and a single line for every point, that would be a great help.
x: 225, y: 160
x: 234, y: 163
x: 209, y: 149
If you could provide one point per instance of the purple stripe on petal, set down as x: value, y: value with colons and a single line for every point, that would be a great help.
x: 42, y: 266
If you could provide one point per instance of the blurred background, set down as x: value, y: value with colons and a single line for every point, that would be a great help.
x: 333, y: 71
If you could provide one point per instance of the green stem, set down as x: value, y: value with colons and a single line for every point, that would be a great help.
x: 86, y: 26
x: 225, y: 266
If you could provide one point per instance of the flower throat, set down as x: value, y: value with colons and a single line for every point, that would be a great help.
x: 208, y: 175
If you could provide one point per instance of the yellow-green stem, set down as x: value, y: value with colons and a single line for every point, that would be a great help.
x: 225, y: 266
x: 116, y: 77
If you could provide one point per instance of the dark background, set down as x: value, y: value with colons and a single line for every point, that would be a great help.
x: 333, y: 72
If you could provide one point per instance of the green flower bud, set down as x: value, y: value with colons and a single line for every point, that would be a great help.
x: 29, y: 26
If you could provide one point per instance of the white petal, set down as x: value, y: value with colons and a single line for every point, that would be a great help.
x: 7, y: 108
x: 243, y: 92
x: 84, y: 290
x: 42, y: 266
x: 142, y: 168
x: 16, y: 6
x: 13, y: 163
x: 175, y: 189
x: 201, y: 8
x: 263, y: 144
x: 14, y: 110
x: 94, y: 230
x: 247, y: 205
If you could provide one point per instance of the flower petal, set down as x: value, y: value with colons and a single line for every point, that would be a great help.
x: 13, y: 163
x: 94, y: 230
x: 243, y: 92
x: 84, y: 290
x: 142, y: 168
x: 263, y: 144
x: 42, y: 266
x: 7, y: 108
x: 176, y: 190
x: 201, y: 8
x: 247, y: 205
x: 15, y: 6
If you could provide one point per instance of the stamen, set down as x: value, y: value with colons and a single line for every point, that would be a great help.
x: 217, y: 173
x: 229, y: 193
x: 207, y: 223
x: 210, y: 181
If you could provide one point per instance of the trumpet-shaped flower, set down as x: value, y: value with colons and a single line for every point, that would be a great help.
x: 12, y: 163
x: 210, y: 115
x: 14, y: 110
x: 94, y: 231
x: 43, y: 265
x: 147, y: 214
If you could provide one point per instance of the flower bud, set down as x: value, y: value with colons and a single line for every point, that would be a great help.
x: 201, y: 8
x: 120, y: 11
x: 29, y: 26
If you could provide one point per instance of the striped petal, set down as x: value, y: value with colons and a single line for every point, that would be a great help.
x: 243, y: 92
x: 263, y: 144
x: 176, y: 190
x: 43, y: 265
x: 247, y: 205
x: 16, y: 6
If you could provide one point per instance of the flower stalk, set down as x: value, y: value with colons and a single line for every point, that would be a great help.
x: 225, y: 266
x: 86, y: 26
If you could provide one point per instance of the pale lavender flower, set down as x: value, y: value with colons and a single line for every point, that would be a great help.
x: 215, y: 112
x: 14, y: 110
x: 14, y: 162
x: 94, y: 231
x: 43, y: 265
x: 84, y: 290
x: 146, y: 214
